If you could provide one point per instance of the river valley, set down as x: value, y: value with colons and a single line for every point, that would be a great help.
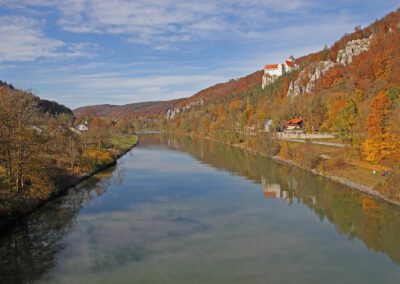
x: 181, y: 210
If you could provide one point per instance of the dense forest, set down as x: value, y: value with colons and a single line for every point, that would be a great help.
x: 42, y: 151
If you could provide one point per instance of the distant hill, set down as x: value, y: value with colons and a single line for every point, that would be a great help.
x: 234, y: 86
x: 159, y: 108
x: 128, y: 111
x: 45, y: 106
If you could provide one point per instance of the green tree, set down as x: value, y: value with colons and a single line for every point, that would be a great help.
x: 347, y: 120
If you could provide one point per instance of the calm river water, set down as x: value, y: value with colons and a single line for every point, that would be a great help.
x: 177, y: 210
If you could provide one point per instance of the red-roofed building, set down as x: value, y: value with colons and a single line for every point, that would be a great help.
x: 294, y: 125
x: 271, y: 66
x: 272, y: 71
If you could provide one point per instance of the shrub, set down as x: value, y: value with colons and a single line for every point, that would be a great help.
x: 285, y: 151
x: 335, y: 163
x: 391, y: 185
x: 93, y: 158
x: 304, y: 155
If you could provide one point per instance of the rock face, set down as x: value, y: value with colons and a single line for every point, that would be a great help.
x: 172, y: 113
x: 353, y: 48
x: 267, y: 80
x: 307, y: 79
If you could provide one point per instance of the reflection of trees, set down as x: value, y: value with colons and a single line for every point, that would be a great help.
x: 357, y: 215
x: 28, y: 251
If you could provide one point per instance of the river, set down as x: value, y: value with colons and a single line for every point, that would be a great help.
x: 182, y: 210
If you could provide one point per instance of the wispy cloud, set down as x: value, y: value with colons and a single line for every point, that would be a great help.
x: 22, y: 39
x: 121, y: 51
x: 160, y: 23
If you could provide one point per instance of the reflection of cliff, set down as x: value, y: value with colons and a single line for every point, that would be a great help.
x: 374, y: 222
x: 28, y: 251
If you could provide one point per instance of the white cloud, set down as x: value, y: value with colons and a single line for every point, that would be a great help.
x: 22, y: 39
x: 161, y: 23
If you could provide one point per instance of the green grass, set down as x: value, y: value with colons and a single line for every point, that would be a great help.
x: 360, y: 175
x: 123, y: 142
x: 332, y: 140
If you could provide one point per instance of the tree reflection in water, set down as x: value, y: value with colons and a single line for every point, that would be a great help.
x: 28, y: 250
x: 356, y: 215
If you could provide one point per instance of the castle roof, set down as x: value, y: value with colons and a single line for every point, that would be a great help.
x: 271, y: 66
x: 290, y: 63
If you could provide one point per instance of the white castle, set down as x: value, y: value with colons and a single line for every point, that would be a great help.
x: 273, y: 71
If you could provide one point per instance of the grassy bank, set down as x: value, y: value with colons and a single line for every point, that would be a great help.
x: 15, y: 205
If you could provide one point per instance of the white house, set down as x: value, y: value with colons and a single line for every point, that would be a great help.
x: 82, y: 127
x: 268, y: 125
x: 273, y: 71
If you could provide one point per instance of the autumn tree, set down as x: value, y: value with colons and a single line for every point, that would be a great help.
x: 381, y: 141
x: 346, y: 121
x: 98, y: 131
x: 21, y: 140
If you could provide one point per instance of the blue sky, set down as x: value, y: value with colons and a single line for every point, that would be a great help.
x: 84, y: 52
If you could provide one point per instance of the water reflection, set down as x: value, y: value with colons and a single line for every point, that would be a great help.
x: 357, y: 215
x: 29, y: 250
x: 181, y: 221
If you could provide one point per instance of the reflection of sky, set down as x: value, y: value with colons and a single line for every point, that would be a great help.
x: 165, y: 161
x: 173, y: 220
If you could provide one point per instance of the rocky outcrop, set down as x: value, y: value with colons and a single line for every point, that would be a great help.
x: 307, y: 79
x: 353, y: 48
x: 172, y: 113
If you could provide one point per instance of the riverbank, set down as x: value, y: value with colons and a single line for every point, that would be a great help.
x: 24, y: 205
x: 338, y: 179
x: 347, y: 171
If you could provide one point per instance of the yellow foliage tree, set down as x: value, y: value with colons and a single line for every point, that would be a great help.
x: 382, y: 140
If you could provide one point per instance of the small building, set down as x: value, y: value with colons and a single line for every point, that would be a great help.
x: 74, y: 130
x: 273, y: 71
x: 294, y: 125
x: 268, y: 125
x: 82, y: 127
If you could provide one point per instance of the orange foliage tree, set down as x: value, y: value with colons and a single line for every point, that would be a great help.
x: 381, y: 141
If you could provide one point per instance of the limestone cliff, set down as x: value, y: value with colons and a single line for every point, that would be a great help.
x: 308, y: 77
x: 172, y: 113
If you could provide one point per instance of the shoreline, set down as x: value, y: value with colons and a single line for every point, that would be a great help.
x: 13, y: 221
x: 340, y: 180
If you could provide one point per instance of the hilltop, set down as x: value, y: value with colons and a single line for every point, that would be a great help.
x: 45, y: 106
x: 158, y: 109
x: 128, y: 111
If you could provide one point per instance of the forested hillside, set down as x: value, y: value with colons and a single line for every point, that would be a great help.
x: 42, y: 151
x: 45, y: 106
x: 350, y: 89
x: 358, y: 99
x: 130, y: 111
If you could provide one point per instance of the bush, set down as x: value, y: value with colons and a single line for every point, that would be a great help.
x: 93, y: 158
x: 391, y: 185
x: 285, y: 151
x: 335, y: 163
x: 304, y: 155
